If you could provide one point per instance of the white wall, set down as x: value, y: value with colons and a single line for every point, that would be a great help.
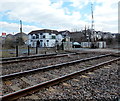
x: 100, y: 44
x: 48, y: 36
x: 85, y: 44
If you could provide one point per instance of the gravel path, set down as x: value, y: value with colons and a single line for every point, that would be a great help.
x: 100, y: 85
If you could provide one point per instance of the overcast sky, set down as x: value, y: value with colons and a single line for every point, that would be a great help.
x: 58, y: 14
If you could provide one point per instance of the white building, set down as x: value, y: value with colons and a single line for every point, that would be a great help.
x: 99, y: 44
x: 44, y: 38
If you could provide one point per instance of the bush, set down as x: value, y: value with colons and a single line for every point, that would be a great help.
x: 10, y: 43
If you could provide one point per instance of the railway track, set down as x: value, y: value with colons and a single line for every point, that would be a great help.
x: 24, y: 57
x: 31, y: 58
x: 98, y: 85
x: 35, y: 63
x: 47, y: 76
x: 38, y: 57
x: 53, y: 66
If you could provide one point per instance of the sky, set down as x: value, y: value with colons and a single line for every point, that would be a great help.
x: 72, y: 15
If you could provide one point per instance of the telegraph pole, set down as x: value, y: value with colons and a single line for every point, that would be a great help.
x: 92, y: 28
x: 21, y: 26
x: 119, y: 17
x: 92, y: 24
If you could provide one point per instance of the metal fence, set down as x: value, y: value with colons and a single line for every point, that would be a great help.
x: 25, y: 51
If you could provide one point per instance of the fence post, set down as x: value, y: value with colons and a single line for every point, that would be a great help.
x: 16, y: 51
x: 28, y: 50
x: 62, y: 45
x: 45, y: 52
x: 36, y: 49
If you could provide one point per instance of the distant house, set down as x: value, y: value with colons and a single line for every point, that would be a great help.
x: 77, y: 36
x: 23, y: 36
x: 66, y: 35
x: 44, y: 38
x: 67, y: 45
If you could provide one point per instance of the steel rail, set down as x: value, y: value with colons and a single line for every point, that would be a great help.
x: 21, y: 57
x: 31, y: 56
x: 52, y: 66
x: 31, y: 59
x: 42, y: 55
x: 23, y: 92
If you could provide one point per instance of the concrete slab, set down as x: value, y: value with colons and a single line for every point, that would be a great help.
x: 28, y: 81
x: 31, y: 97
x: 55, y: 76
x: 15, y: 87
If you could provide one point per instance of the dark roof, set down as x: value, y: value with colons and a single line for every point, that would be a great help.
x: 74, y: 32
x: 9, y: 35
x: 19, y: 34
x: 64, y: 31
x: 44, y: 31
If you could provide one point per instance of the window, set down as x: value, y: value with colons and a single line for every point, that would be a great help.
x: 33, y: 37
x: 41, y: 42
x: 43, y: 36
x: 37, y: 36
x: 53, y: 37
x: 47, y: 42
x: 40, y: 33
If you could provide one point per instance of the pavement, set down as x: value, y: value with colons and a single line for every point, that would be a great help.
x: 98, y: 50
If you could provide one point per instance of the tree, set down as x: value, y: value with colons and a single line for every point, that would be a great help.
x: 109, y: 40
x: 19, y: 41
x: 9, y: 43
